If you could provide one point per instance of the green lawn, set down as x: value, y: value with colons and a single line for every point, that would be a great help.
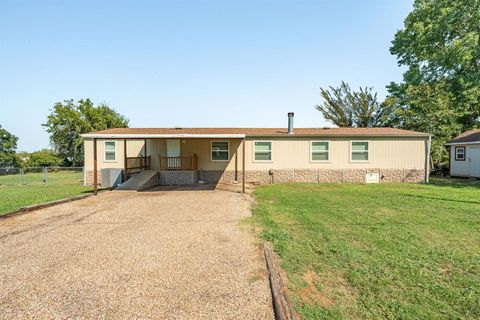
x: 62, y: 184
x: 388, y: 251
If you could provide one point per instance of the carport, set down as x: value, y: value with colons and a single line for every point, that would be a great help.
x: 180, y: 156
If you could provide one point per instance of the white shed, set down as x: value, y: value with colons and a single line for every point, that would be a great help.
x: 465, y: 154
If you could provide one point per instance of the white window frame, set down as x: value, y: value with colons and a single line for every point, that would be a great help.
x: 368, y: 150
x: 105, y: 151
x: 311, y: 151
x: 457, y: 148
x: 211, y: 150
x: 271, y: 151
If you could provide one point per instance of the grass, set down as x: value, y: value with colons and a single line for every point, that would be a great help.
x: 61, y: 184
x: 387, y: 251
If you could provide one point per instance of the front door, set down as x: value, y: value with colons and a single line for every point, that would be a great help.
x: 173, y: 153
x: 473, y: 156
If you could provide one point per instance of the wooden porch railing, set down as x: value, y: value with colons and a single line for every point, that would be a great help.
x: 180, y: 163
x: 136, y: 164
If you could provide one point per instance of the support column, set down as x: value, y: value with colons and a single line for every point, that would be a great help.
x: 236, y: 165
x: 243, y: 166
x: 125, y: 160
x: 95, y: 175
x: 145, y: 155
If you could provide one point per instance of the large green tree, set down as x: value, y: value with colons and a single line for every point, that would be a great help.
x: 8, y: 146
x: 68, y: 120
x: 346, y: 108
x: 440, y: 92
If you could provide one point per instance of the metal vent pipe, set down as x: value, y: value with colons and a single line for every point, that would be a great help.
x: 290, y: 122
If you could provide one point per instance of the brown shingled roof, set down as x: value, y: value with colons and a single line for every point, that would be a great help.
x: 467, y: 136
x: 266, y: 131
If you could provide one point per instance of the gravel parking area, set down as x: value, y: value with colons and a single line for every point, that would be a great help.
x: 164, y: 255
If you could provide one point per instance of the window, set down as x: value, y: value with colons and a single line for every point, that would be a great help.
x: 219, y: 150
x: 460, y: 153
x: 319, y: 150
x: 262, y: 150
x: 110, y: 151
x: 359, y: 151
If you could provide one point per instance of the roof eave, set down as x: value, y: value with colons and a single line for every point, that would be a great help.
x: 341, y: 135
x: 158, y: 136
x: 461, y: 143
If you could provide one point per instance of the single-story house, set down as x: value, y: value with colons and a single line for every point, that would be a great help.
x: 261, y: 155
x: 465, y: 154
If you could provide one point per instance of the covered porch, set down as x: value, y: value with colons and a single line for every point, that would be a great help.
x: 182, y: 160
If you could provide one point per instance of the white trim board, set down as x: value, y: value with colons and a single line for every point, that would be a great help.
x: 151, y: 136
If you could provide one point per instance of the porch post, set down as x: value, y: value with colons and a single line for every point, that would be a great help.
x: 236, y: 165
x: 95, y: 177
x: 145, y: 154
x: 124, y: 159
x: 243, y: 166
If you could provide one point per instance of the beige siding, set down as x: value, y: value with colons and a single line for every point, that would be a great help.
x: 287, y: 153
x: 134, y: 149
x: 155, y: 147
x: 200, y: 147
x: 294, y: 153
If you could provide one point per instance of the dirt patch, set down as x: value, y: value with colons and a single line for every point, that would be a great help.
x: 310, y: 294
x: 326, y: 289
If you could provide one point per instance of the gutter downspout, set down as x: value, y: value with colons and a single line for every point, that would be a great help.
x: 427, y: 158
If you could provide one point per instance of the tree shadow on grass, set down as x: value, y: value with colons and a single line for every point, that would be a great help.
x: 454, y: 182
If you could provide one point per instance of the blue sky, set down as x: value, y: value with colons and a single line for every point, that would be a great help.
x: 190, y: 63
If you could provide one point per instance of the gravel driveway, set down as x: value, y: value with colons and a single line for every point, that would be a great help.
x: 165, y: 254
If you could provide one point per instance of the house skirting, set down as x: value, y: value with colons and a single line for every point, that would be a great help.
x: 285, y: 175
x: 89, y: 177
x: 317, y: 175
x: 178, y: 177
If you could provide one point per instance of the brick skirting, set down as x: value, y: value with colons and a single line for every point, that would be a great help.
x: 286, y: 175
x: 89, y: 177
x: 316, y: 175
x: 178, y: 177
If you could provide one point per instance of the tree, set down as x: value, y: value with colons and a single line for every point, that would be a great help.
x: 346, y: 108
x: 68, y: 121
x: 8, y: 145
x: 43, y: 158
x: 440, y: 92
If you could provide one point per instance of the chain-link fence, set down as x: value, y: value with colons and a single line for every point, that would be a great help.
x: 42, y: 176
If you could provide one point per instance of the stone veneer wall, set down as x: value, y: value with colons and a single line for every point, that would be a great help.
x: 315, y: 175
x: 89, y: 177
x: 177, y: 177
x: 287, y: 175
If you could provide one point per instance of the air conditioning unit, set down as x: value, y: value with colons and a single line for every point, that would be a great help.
x: 111, y: 177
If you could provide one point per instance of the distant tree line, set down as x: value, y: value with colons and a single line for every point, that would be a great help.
x: 8, y: 147
x: 10, y: 158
